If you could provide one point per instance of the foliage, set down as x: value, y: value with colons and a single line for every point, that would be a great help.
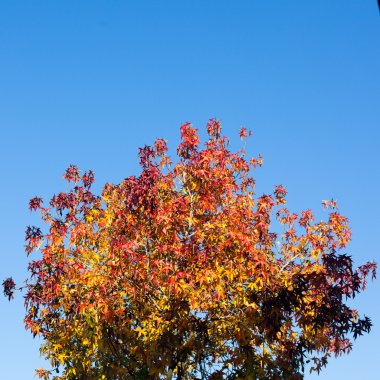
x: 9, y: 287
x: 177, y: 273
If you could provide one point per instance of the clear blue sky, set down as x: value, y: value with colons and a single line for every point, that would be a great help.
x: 87, y: 82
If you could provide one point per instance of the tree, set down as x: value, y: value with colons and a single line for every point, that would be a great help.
x: 177, y: 273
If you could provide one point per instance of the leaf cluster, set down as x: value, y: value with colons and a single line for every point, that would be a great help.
x: 176, y: 273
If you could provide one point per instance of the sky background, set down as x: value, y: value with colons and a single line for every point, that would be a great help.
x: 87, y: 82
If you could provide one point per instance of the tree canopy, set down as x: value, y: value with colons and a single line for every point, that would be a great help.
x: 183, y: 272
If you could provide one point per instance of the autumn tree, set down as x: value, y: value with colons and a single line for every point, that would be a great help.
x: 177, y: 273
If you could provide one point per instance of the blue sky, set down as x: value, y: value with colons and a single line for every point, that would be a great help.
x: 87, y: 82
